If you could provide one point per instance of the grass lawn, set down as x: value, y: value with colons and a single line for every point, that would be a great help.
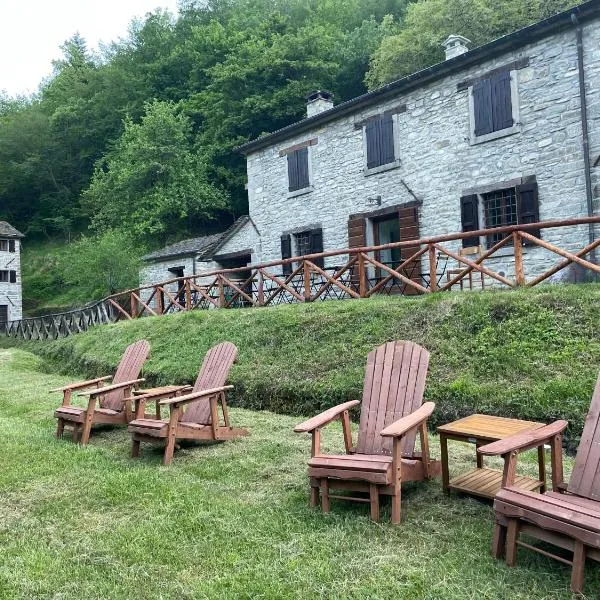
x: 226, y: 521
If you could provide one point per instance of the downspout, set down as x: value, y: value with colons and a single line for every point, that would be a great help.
x: 585, y: 134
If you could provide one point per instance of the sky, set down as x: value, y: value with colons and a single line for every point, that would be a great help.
x: 31, y: 32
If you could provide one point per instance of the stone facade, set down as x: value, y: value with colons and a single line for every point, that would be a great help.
x: 438, y: 159
x: 11, y: 296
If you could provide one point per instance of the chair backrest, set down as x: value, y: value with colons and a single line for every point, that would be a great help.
x: 129, y: 369
x: 393, y: 388
x: 585, y: 479
x: 213, y: 373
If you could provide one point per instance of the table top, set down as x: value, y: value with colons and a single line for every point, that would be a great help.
x: 163, y: 389
x: 487, y: 427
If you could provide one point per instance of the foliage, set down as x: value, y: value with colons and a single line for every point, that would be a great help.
x: 416, y: 42
x: 101, y: 265
x: 228, y: 520
x: 533, y: 354
x: 151, y: 180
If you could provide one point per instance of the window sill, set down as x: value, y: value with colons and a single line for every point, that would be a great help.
x: 302, y: 192
x: 488, y: 137
x: 382, y: 168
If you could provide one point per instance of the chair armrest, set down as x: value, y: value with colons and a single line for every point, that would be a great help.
x: 81, y: 384
x: 325, y: 417
x: 523, y: 441
x: 110, y: 388
x: 195, y: 395
x: 405, y: 424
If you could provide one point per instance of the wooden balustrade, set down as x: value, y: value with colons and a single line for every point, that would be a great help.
x: 361, y: 275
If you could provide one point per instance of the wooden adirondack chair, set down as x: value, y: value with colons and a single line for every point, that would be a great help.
x: 200, y: 419
x: 569, y: 515
x: 114, y: 400
x: 391, y: 415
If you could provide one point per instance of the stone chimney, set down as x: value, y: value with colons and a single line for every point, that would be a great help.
x: 456, y: 45
x: 318, y: 102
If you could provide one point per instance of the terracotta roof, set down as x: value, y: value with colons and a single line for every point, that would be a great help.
x: 7, y: 230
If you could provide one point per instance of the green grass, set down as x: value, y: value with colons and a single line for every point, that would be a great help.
x: 533, y: 353
x: 227, y: 521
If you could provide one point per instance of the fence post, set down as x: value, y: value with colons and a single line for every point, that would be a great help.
x: 362, y: 276
x: 261, y: 288
x: 188, y: 295
x: 160, y: 300
x: 306, y: 269
x: 433, y: 286
x: 133, y: 304
x: 519, y: 271
x: 221, y: 292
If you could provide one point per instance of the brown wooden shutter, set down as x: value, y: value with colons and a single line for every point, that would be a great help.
x: 13, y: 276
x: 528, y: 205
x: 286, y: 252
x: 501, y: 101
x: 482, y: 107
x: 387, y: 139
x: 409, y: 230
x: 316, y: 245
x: 373, y: 145
x: 380, y: 141
x: 292, y: 161
x: 469, y: 218
x: 357, y: 238
x: 11, y: 245
x: 302, y: 158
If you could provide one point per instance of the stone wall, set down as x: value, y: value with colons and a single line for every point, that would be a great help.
x: 438, y: 162
x: 247, y: 238
x: 10, y: 293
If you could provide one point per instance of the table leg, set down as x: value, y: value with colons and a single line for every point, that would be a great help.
x: 479, y: 456
x: 444, y: 456
x: 542, y: 467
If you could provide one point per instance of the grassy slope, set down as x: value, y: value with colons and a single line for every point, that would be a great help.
x: 533, y: 354
x: 227, y: 521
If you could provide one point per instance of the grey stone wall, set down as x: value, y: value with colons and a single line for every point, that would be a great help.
x: 438, y: 162
x: 246, y: 238
x: 11, y: 293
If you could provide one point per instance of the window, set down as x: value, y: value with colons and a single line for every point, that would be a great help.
x: 4, y: 276
x: 501, y: 207
x: 4, y: 246
x: 493, y: 108
x: 379, y: 135
x: 11, y: 246
x: 387, y: 231
x: 3, y: 313
x: 302, y: 243
x: 298, y: 177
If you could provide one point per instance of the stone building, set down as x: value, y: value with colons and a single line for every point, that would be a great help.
x: 492, y: 136
x: 11, y: 296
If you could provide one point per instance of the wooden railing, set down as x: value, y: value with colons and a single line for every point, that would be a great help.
x: 359, y: 274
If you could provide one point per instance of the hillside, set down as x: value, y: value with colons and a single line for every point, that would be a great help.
x: 533, y: 353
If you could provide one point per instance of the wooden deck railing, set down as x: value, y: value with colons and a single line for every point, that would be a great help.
x: 359, y: 274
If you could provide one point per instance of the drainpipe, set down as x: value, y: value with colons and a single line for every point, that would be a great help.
x: 584, y: 129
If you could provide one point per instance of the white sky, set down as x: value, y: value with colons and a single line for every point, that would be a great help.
x: 31, y: 32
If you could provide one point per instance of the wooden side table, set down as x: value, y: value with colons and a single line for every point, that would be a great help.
x: 480, y: 430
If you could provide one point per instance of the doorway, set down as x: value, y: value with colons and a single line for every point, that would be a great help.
x: 386, y: 230
x: 3, y: 316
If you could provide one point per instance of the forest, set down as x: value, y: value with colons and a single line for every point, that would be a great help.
x: 130, y: 147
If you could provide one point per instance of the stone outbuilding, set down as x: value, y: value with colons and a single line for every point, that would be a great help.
x: 11, y: 294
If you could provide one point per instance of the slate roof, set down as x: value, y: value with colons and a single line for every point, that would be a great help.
x: 7, y: 230
x: 202, y: 247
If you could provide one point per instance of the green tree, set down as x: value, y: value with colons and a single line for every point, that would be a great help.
x: 151, y: 183
x: 416, y: 42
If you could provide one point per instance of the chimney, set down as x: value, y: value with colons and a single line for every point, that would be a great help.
x: 318, y: 102
x: 456, y: 45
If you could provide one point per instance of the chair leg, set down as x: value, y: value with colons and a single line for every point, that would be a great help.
x: 169, y: 449
x: 397, y: 506
x: 60, y: 428
x: 325, y: 495
x: 512, y: 534
x: 374, y: 496
x: 499, y: 541
x: 135, y: 448
x: 314, y: 495
x: 578, y: 571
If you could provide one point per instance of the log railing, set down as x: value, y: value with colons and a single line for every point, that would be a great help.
x: 351, y: 273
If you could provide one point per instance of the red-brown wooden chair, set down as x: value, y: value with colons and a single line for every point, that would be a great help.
x: 568, y: 516
x: 114, y: 400
x: 200, y: 419
x: 391, y: 415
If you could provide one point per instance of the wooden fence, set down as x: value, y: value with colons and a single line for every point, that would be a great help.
x: 360, y: 274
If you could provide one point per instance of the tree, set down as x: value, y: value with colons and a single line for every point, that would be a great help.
x: 416, y: 43
x: 151, y: 183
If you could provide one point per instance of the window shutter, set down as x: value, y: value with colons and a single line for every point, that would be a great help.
x: 501, y: 101
x: 292, y: 161
x: 528, y: 205
x: 386, y: 126
x: 408, y: 217
x: 482, y: 107
x: 13, y: 276
x: 373, y: 146
x: 469, y: 218
x: 11, y: 245
x: 286, y: 252
x: 303, y: 179
x: 357, y: 238
x: 316, y: 245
